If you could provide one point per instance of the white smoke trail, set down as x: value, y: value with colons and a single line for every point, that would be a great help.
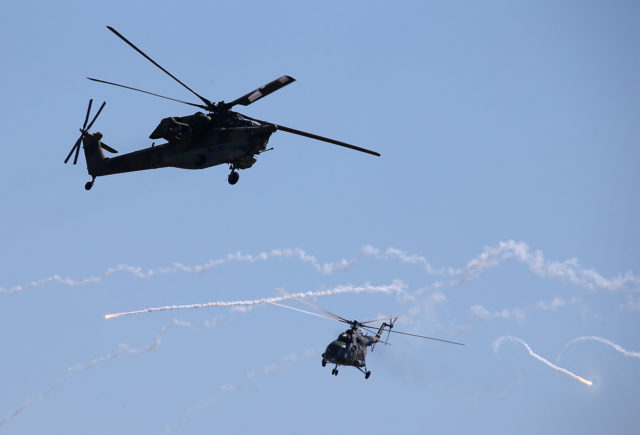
x: 479, y: 311
x: 490, y: 257
x: 279, y: 366
x: 140, y: 272
x: 567, y: 270
x: 633, y: 303
x: 498, y: 342
x: 609, y: 343
x: 402, y: 256
x: 122, y: 348
x: 396, y: 286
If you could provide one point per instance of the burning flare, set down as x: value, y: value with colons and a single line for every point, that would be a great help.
x: 498, y: 342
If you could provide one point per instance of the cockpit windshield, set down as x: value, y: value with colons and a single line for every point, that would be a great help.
x: 345, y: 338
x: 241, y: 121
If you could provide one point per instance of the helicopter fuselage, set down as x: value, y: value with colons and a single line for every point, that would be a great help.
x: 194, y: 142
x: 349, y: 349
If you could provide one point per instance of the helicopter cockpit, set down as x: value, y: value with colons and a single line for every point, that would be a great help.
x: 240, y: 121
x: 345, y: 337
x: 179, y: 127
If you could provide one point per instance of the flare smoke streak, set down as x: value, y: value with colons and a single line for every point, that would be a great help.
x: 396, y: 287
x: 122, y: 348
x: 498, y: 342
x: 609, y: 343
x: 569, y: 270
x: 279, y: 366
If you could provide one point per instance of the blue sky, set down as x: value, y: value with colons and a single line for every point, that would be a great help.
x: 508, y: 133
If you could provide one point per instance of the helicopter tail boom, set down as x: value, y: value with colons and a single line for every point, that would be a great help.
x: 381, y: 331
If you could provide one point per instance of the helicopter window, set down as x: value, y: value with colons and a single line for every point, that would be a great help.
x: 242, y: 121
x: 344, y: 338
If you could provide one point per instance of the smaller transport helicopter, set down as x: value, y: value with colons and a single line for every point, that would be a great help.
x: 219, y: 136
x: 350, y: 348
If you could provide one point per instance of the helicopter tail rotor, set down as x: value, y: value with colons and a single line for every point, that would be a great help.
x: 83, y: 131
x: 384, y: 325
x: 392, y: 320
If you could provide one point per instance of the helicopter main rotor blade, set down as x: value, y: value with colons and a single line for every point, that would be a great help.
x: 428, y: 338
x: 204, y: 100
x: 263, y: 91
x: 202, y: 106
x: 335, y: 316
x: 302, y: 311
x: 315, y: 136
x: 375, y: 320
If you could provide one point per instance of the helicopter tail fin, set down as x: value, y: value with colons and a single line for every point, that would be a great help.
x: 93, y: 152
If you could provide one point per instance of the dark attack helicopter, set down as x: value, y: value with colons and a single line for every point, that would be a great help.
x: 196, y: 141
x: 350, y: 348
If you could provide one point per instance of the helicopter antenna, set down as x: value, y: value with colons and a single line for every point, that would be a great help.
x: 208, y: 103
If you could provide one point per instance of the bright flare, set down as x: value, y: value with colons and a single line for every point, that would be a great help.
x: 498, y: 342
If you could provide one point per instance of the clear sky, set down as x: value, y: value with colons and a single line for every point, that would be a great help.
x: 504, y: 205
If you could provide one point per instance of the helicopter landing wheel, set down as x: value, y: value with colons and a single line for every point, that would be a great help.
x: 334, y: 372
x: 89, y: 184
x: 324, y: 362
x: 233, y: 177
x: 367, y: 374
